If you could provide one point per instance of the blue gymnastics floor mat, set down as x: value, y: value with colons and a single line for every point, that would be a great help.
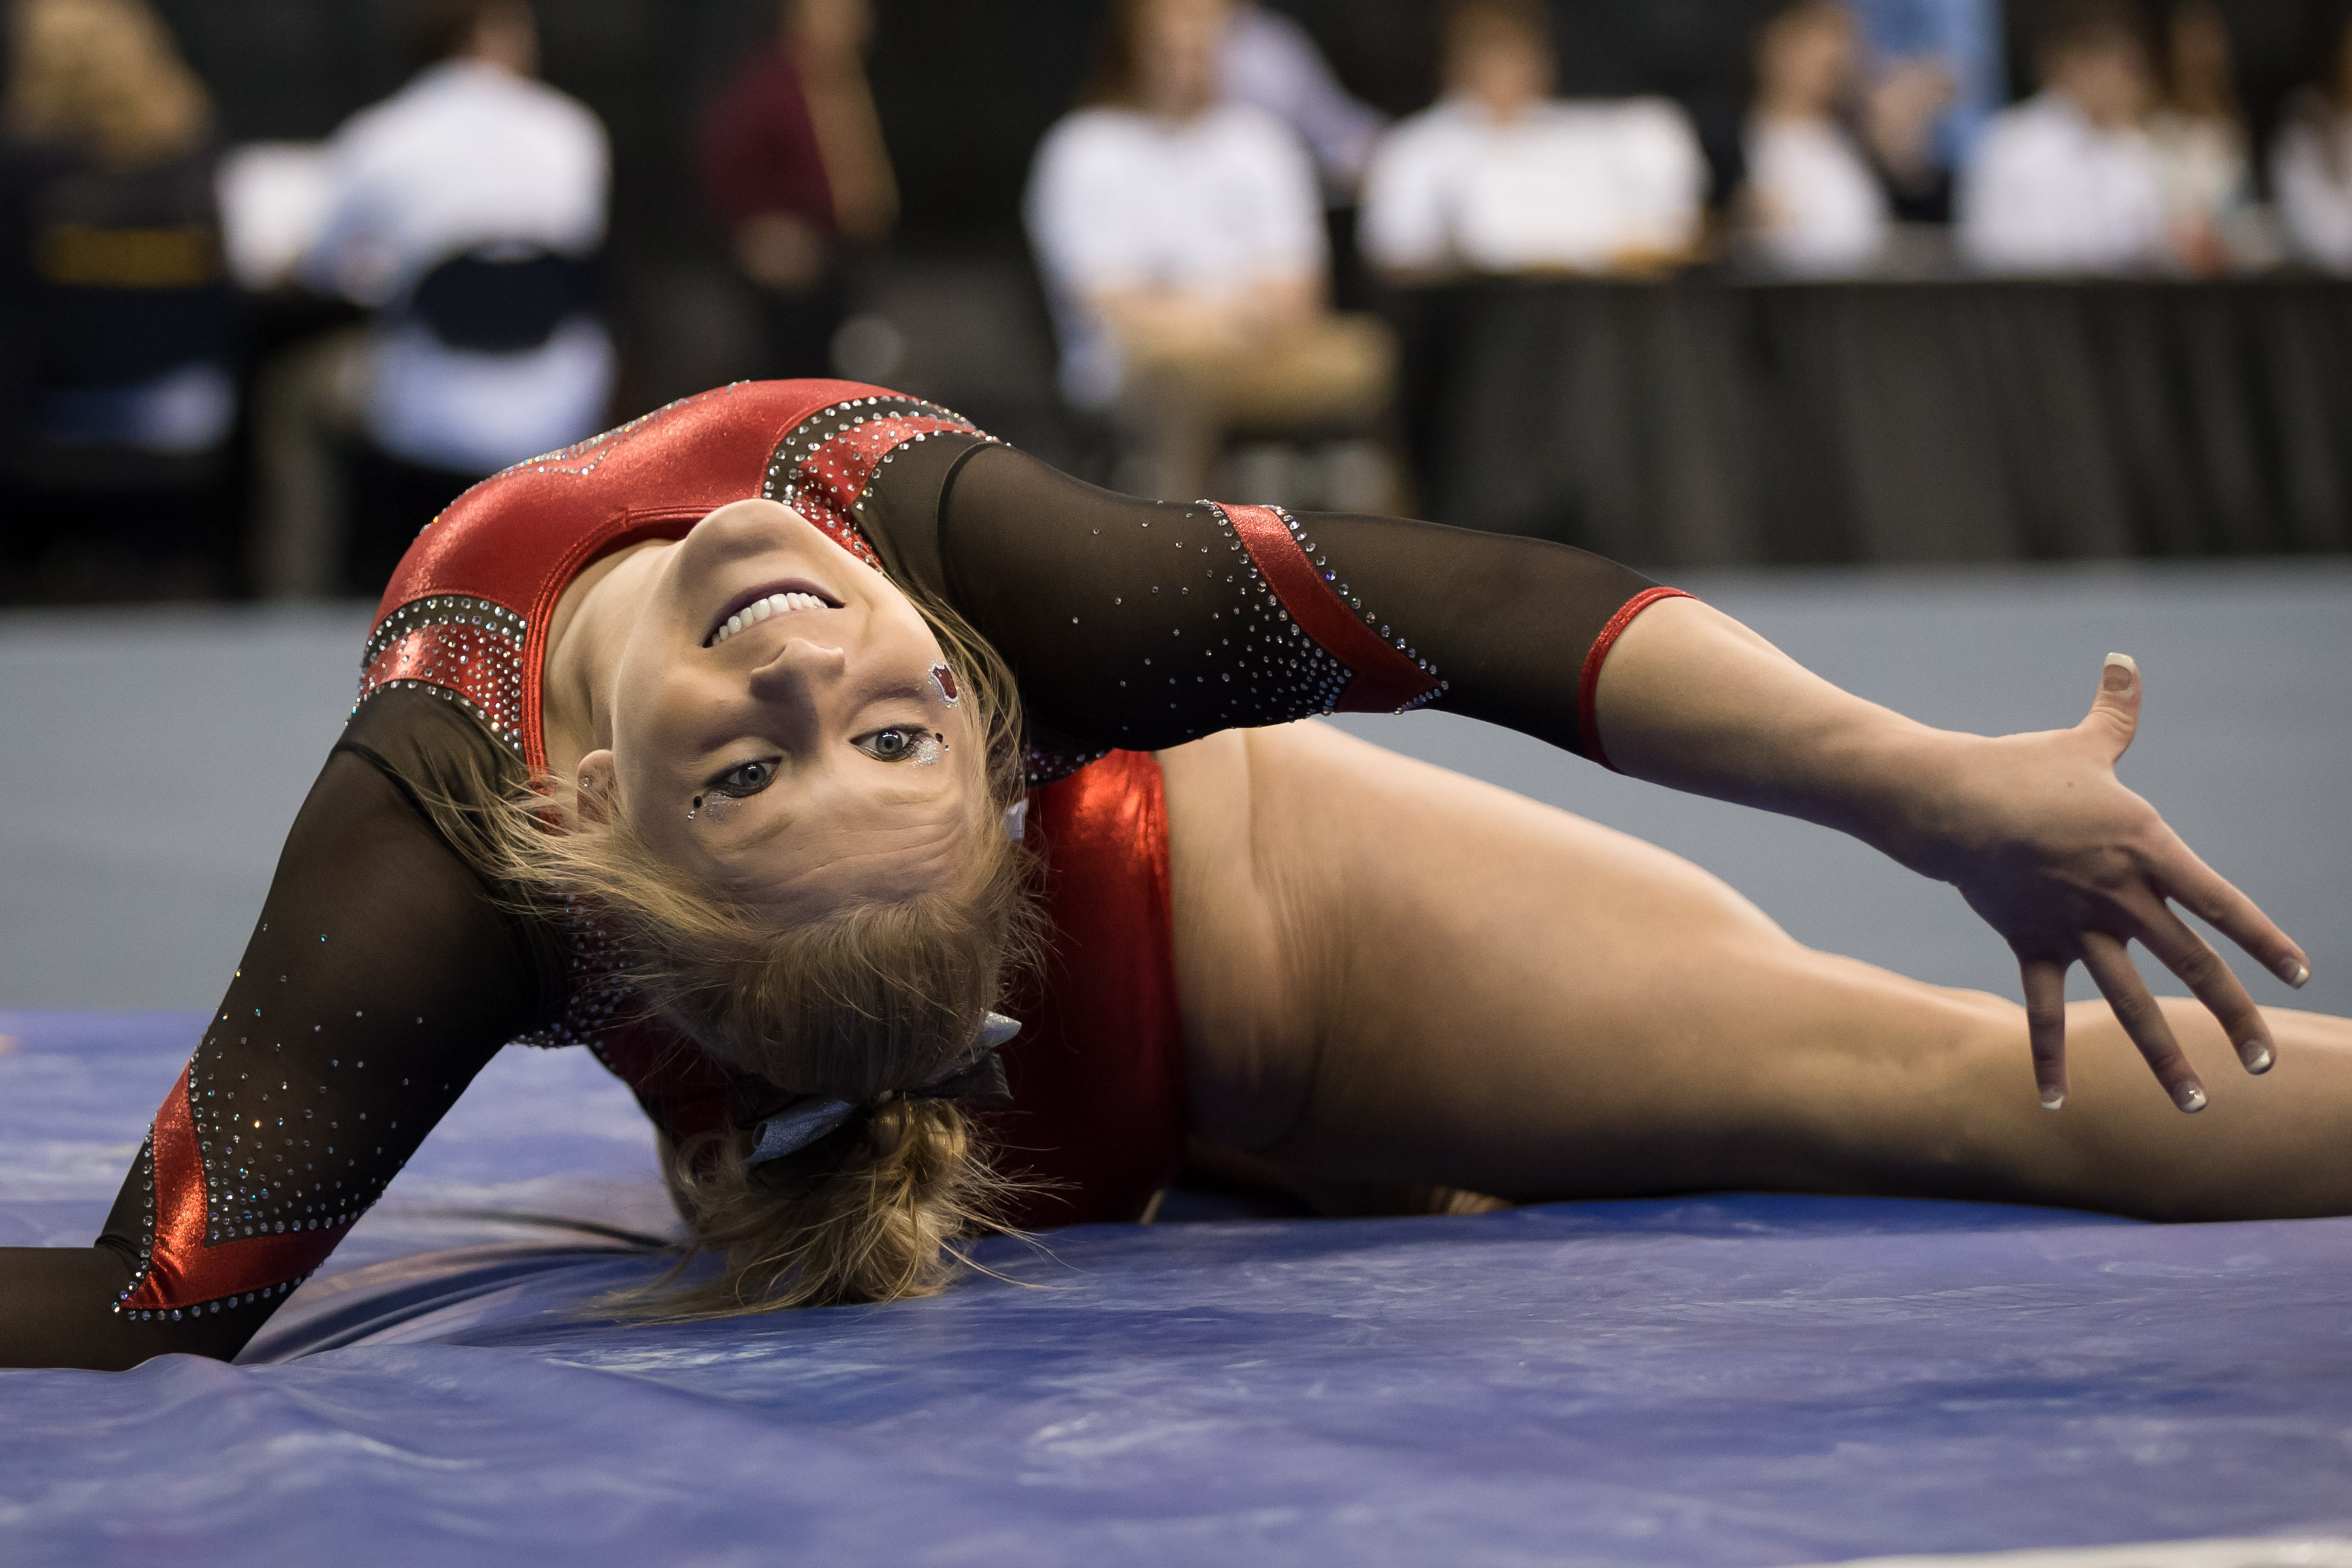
x: 1737, y: 1380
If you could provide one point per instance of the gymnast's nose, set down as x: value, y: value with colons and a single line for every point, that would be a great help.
x: 801, y: 668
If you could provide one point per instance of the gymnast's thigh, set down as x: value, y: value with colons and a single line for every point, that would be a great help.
x: 1504, y: 997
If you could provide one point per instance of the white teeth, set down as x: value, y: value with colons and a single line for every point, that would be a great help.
x: 773, y: 604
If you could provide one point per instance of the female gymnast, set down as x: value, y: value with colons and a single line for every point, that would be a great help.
x: 795, y: 745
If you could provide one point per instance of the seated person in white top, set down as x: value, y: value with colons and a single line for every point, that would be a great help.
x: 472, y: 157
x: 2311, y: 167
x: 1498, y: 176
x: 2069, y: 182
x: 1814, y: 207
x: 1181, y: 240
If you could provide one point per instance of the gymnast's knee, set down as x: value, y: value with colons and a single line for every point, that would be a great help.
x: 1968, y: 1081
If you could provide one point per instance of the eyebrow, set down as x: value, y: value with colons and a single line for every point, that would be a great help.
x: 918, y: 691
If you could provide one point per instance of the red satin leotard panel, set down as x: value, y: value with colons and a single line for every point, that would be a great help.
x: 490, y: 569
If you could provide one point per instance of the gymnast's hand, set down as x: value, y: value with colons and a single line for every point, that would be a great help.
x: 2069, y: 865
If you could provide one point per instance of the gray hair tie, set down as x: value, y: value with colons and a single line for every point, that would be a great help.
x: 981, y: 1080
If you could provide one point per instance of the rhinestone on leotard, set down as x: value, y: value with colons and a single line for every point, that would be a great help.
x: 465, y: 650
x: 824, y: 464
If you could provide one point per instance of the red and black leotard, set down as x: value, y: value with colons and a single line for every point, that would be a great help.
x: 382, y: 975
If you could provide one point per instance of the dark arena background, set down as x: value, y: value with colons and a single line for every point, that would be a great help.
x: 1948, y: 476
x: 1712, y: 419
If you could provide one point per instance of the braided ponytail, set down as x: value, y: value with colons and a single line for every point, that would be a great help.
x: 880, y: 1225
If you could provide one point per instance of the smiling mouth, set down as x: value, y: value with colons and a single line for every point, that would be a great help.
x: 795, y: 597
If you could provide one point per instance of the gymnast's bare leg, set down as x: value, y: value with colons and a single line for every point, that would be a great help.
x: 1392, y: 973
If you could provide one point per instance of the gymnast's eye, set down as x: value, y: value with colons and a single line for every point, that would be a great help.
x: 750, y: 778
x: 901, y: 743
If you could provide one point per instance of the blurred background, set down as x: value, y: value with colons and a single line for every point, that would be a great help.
x: 1696, y: 284
x: 1948, y: 342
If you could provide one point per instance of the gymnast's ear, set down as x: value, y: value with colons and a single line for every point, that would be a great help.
x: 2114, y: 715
x: 594, y: 794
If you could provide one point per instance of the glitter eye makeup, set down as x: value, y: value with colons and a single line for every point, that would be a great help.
x: 919, y: 747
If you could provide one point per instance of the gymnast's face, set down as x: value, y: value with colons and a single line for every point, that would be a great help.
x: 781, y: 724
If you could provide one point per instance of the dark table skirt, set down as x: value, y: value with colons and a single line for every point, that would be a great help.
x: 1703, y: 422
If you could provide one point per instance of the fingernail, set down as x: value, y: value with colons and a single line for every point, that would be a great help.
x: 2256, y: 1055
x: 2190, y: 1096
x: 2295, y: 972
x: 2120, y: 672
x: 2052, y: 1098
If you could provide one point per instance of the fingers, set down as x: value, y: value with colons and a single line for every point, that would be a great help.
x: 2115, y: 714
x: 2115, y: 717
x: 2198, y: 888
x: 2045, y: 1025
x: 2110, y: 967
x: 2209, y: 979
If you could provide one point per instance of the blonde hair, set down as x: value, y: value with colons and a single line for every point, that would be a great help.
x: 870, y: 998
x: 104, y: 75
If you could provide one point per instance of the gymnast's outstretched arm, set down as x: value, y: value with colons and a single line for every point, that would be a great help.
x: 1140, y: 625
x: 380, y: 978
x: 2035, y: 830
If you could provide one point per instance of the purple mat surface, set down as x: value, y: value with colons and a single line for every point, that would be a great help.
x: 1739, y: 1380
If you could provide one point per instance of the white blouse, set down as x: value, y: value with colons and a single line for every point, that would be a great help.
x: 1120, y: 199
x: 2049, y: 193
x: 1818, y: 209
x: 1573, y: 186
x: 2311, y: 172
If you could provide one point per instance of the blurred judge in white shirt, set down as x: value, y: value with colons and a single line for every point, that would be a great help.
x: 473, y: 154
x: 1814, y: 207
x: 1182, y: 245
x: 2069, y: 182
x: 2311, y: 167
x: 1498, y: 176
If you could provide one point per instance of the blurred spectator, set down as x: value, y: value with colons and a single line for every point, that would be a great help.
x: 2202, y: 147
x: 1498, y: 176
x: 1271, y: 64
x: 1813, y: 204
x: 1935, y: 78
x: 795, y: 165
x: 465, y: 213
x: 465, y: 210
x: 2310, y: 166
x: 1181, y: 239
x: 2069, y: 182
x: 120, y: 324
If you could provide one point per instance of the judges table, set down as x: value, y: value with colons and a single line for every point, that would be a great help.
x: 1706, y: 422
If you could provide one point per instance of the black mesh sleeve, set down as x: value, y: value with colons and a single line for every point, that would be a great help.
x: 1139, y: 624
x: 380, y: 978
